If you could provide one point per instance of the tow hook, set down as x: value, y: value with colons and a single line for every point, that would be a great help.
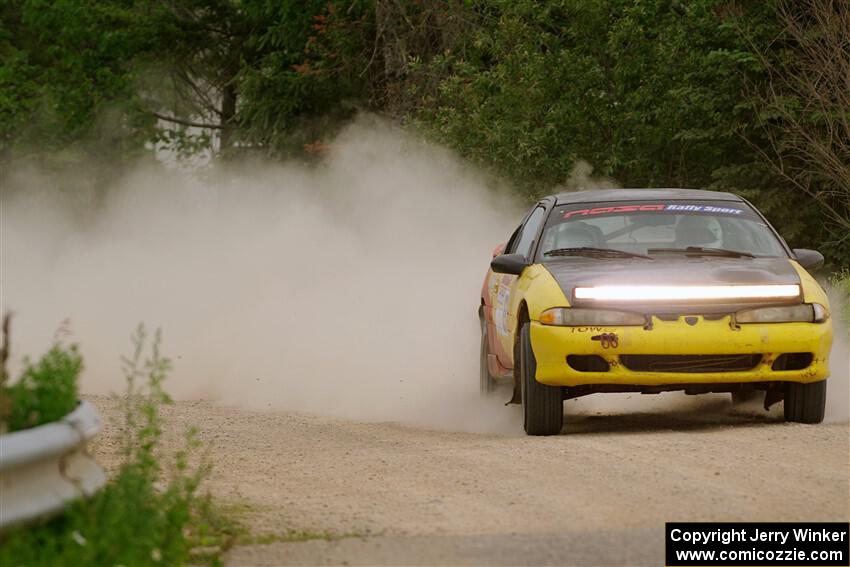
x: 608, y: 340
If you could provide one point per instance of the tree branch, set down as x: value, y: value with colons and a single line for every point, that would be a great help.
x: 182, y: 122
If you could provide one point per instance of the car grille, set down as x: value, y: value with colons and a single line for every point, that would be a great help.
x: 695, y: 363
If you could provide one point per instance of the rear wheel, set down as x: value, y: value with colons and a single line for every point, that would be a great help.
x: 805, y: 403
x: 487, y: 385
x: 542, y: 406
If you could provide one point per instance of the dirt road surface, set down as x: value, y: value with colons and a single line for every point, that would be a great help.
x: 598, y: 494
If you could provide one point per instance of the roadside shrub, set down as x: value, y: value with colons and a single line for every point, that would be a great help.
x: 147, y: 514
x: 47, y: 389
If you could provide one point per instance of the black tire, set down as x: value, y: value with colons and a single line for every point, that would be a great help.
x: 805, y: 403
x: 487, y: 384
x: 542, y: 406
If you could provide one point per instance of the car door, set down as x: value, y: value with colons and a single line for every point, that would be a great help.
x: 504, y: 303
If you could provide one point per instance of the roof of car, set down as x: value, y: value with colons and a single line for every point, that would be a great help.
x: 601, y: 195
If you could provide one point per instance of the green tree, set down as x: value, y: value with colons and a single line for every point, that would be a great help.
x: 66, y: 81
x: 805, y: 114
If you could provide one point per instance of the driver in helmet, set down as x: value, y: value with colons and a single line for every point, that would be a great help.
x: 696, y: 230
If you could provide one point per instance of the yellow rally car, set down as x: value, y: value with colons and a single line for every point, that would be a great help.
x: 649, y: 290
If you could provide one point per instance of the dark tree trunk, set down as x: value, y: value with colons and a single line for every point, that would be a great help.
x: 228, y: 115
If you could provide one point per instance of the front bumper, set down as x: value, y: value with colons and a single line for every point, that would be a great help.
x: 552, y: 345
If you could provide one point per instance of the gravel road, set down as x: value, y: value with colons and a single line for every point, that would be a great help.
x: 597, y: 495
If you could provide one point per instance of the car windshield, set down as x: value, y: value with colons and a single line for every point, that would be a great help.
x: 657, y: 228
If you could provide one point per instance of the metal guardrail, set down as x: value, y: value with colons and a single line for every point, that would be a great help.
x: 44, y: 468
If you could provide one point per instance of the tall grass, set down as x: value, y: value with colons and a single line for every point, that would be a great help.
x: 149, y: 514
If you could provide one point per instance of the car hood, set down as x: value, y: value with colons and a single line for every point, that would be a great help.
x: 575, y: 272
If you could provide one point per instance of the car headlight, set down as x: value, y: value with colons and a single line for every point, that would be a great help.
x: 685, y: 293
x: 569, y: 317
x: 805, y: 313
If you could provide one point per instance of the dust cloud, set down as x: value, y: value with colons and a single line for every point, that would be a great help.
x: 582, y: 178
x: 349, y: 289
x: 838, y: 387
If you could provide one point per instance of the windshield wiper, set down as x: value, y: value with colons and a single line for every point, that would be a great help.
x: 700, y: 251
x: 595, y: 253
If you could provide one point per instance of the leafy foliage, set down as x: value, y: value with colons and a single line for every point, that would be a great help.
x: 66, y: 80
x: 804, y: 107
x: 309, y: 75
x: 47, y: 389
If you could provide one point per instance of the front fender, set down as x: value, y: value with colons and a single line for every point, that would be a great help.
x: 812, y: 291
x: 539, y: 290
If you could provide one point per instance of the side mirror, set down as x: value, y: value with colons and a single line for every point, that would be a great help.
x: 498, y: 250
x: 512, y: 264
x: 809, y: 259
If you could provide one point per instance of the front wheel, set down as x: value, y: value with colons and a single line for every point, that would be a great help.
x: 542, y: 405
x: 805, y: 403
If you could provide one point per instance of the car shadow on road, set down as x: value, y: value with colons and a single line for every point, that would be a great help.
x: 674, y: 416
